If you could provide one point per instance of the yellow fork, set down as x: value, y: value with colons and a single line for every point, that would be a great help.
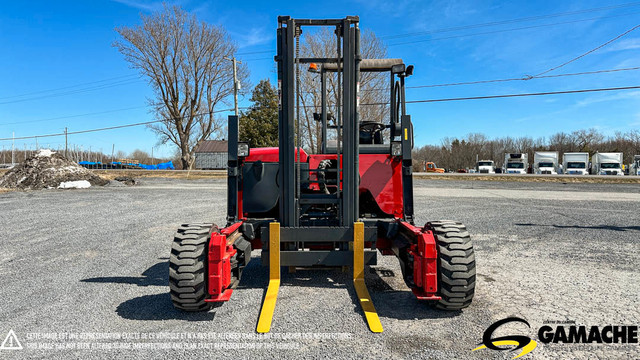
x: 358, y: 279
x: 269, y: 304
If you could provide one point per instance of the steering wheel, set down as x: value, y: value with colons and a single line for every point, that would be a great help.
x: 372, y: 127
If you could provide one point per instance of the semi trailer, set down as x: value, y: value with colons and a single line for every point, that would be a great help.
x: 575, y: 163
x: 545, y: 162
x: 607, y: 164
x: 516, y: 163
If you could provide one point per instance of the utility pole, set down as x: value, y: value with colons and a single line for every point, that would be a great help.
x: 36, y: 143
x: 65, y: 142
x: 113, y: 146
x: 89, y: 157
x: 152, y: 161
x: 236, y: 84
x: 13, y: 148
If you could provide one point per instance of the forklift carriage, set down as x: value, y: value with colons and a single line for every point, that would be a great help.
x: 335, y: 208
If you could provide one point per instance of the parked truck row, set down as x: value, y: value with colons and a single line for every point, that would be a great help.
x: 573, y: 163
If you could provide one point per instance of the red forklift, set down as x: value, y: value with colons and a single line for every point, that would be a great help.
x: 337, y: 208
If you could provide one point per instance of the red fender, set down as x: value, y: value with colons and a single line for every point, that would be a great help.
x: 425, y: 263
x: 219, y: 264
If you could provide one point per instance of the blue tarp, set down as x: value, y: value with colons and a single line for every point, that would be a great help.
x: 162, y: 166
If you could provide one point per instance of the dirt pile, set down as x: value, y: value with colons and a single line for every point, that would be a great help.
x: 45, y: 170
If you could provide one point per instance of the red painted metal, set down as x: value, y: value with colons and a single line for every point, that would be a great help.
x: 271, y: 154
x: 425, y: 263
x: 219, y: 264
x: 380, y: 174
x: 230, y: 229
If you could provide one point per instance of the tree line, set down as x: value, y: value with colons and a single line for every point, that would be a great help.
x: 458, y: 153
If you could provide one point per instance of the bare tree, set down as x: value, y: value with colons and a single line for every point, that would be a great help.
x: 183, y: 59
x: 373, y: 86
x: 586, y: 140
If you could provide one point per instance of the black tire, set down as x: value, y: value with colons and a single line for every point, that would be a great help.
x: 187, y: 267
x: 456, y: 265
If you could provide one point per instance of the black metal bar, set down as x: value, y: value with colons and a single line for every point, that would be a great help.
x: 320, y: 258
x: 407, y: 173
x: 356, y: 119
x: 323, y: 107
x: 348, y: 149
x: 286, y: 38
x: 318, y: 22
x: 233, y: 169
x: 317, y: 60
x: 324, y: 234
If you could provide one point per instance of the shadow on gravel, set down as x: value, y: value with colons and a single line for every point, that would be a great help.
x: 595, y: 227
x: 395, y: 303
x: 158, y: 307
x: 156, y: 275
x: 151, y: 307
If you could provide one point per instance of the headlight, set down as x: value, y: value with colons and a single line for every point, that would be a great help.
x: 396, y: 148
x: 243, y: 149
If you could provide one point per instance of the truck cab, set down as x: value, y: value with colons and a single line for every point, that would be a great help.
x: 607, y: 164
x: 575, y: 163
x: 486, y: 167
x: 516, y: 163
x: 431, y: 167
x: 545, y: 162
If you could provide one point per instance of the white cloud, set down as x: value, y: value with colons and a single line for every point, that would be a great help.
x: 626, y: 44
x: 622, y: 95
x: 253, y: 36
x: 142, y: 4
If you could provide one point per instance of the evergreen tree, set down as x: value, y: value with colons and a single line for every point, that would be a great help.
x: 259, y: 125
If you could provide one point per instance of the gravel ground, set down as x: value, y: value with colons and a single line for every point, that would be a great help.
x: 94, y: 263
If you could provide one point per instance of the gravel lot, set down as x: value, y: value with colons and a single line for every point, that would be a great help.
x: 82, y: 262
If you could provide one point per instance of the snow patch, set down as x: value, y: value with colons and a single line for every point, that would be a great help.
x: 80, y: 184
x: 45, y: 153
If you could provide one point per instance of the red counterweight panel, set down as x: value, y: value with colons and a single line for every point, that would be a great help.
x: 380, y: 174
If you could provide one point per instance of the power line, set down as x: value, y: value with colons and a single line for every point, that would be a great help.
x: 495, y: 23
x: 254, y: 52
x: 113, y: 127
x: 510, y: 95
x: 371, y: 104
x: 119, y: 78
x: 525, y: 78
x: 71, y: 92
x: 511, y: 21
x: 523, y: 95
x: 73, y: 116
x: 590, y: 51
x: 509, y: 30
x: 264, y: 58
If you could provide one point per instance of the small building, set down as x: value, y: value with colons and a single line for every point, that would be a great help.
x: 211, y: 155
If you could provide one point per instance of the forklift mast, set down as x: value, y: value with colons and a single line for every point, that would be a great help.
x: 348, y: 74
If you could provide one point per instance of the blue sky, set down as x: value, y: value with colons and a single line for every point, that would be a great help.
x: 57, y: 63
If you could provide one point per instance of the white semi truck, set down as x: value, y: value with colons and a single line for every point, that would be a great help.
x: 575, y: 163
x: 516, y: 163
x: 545, y: 162
x: 607, y: 164
x: 486, y: 167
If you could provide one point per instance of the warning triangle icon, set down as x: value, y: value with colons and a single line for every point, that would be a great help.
x: 11, y: 342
